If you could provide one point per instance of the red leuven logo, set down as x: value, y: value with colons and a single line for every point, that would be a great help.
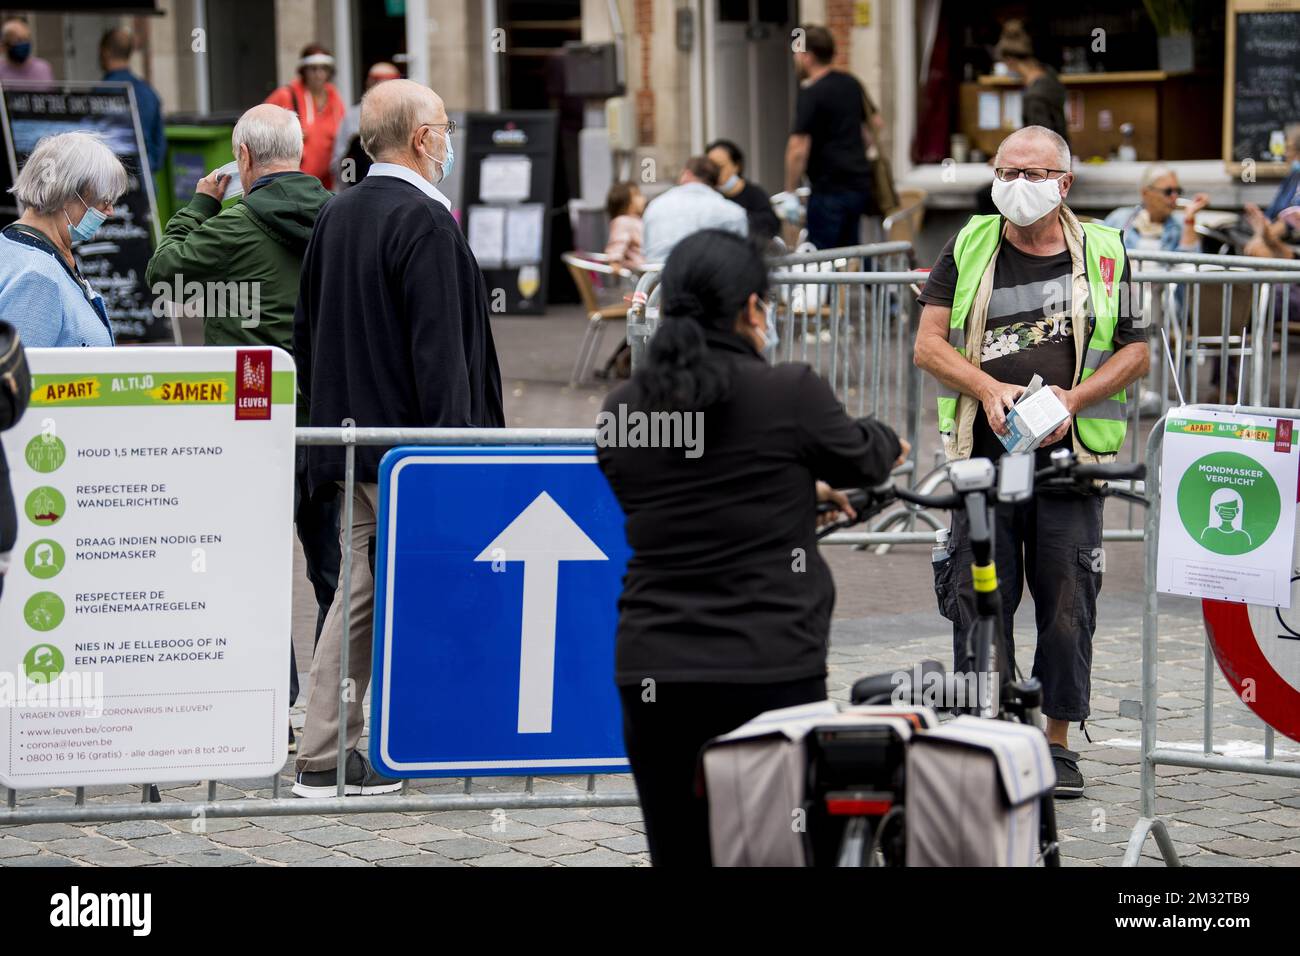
x: 1282, y: 442
x: 252, y: 385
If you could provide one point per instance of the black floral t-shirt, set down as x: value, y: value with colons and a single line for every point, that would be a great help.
x: 1028, y: 328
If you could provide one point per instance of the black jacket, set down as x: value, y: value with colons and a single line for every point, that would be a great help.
x: 391, y: 327
x: 763, y: 224
x: 725, y: 582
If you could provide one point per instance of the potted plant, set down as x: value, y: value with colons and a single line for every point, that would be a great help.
x: 1174, y: 43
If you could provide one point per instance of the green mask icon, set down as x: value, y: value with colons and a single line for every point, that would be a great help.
x: 44, y: 558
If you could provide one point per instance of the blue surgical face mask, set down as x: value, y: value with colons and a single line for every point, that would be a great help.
x: 1295, y: 165
x: 19, y: 52
x: 730, y: 184
x: 450, y: 159
x: 85, y: 230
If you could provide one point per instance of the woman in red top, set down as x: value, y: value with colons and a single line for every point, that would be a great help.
x: 319, y: 107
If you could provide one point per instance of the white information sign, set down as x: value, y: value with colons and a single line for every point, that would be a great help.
x: 487, y: 235
x: 1228, y: 507
x: 505, y: 178
x: 145, y: 618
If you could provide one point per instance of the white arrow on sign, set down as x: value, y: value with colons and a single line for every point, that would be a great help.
x: 541, y: 536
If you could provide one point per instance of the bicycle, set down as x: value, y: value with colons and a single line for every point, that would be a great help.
x: 857, y: 776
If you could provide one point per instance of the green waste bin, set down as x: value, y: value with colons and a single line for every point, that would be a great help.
x: 195, y: 147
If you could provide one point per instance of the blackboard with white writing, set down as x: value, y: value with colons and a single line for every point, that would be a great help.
x: 1264, y: 77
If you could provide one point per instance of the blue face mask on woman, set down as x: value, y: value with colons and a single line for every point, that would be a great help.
x: 90, y: 223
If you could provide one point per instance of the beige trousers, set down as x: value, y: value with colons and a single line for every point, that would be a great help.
x: 318, y: 749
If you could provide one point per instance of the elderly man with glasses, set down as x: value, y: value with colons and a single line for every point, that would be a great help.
x: 1034, y: 291
x: 391, y: 329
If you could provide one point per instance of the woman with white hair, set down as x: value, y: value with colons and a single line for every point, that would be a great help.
x: 67, y: 189
x: 1156, y: 223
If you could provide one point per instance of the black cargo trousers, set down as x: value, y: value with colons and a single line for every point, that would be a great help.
x: 1052, y: 542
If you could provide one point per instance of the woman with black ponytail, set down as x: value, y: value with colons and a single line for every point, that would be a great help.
x: 726, y: 606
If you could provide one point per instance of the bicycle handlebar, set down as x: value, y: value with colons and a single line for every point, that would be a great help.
x: 869, y: 501
x: 942, y: 502
x: 1115, y: 470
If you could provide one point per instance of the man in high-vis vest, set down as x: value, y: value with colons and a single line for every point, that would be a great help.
x: 1029, y: 291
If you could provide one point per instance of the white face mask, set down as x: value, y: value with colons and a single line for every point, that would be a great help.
x: 1023, y: 202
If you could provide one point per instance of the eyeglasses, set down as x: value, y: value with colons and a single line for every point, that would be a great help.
x: 450, y: 124
x: 1035, y: 174
x: 1168, y: 192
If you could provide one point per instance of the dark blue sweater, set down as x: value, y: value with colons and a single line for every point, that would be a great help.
x: 391, y: 327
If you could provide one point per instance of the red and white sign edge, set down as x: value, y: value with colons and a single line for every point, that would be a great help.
x: 1258, y: 650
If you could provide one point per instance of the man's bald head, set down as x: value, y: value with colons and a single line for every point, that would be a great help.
x: 380, y: 72
x: 1033, y: 146
x: 392, y: 113
x: 15, y: 31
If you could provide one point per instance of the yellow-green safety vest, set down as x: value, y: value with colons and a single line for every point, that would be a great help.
x: 1102, y: 426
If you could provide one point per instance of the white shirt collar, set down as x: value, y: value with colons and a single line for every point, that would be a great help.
x: 412, y: 177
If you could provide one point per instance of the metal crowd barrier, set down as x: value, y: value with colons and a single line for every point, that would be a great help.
x: 857, y: 327
x: 1153, y: 752
x: 1228, y: 310
x: 49, y: 808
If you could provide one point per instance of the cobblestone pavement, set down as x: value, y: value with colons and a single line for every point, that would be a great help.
x: 885, y: 620
x: 1216, y: 819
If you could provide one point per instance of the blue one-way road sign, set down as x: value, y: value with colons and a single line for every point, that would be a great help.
x: 496, y: 587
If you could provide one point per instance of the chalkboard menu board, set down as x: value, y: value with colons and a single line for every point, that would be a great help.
x: 115, y: 260
x: 1263, y: 83
x: 506, y: 204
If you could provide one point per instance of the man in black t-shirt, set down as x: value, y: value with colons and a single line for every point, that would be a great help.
x: 984, y: 337
x: 1029, y: 328
x: 827, y: 142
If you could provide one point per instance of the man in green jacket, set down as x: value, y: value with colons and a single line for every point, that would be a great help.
x: 238, y: 267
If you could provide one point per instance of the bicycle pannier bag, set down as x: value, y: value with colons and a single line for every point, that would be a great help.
x: 974, y: 791
x: 756, y: 779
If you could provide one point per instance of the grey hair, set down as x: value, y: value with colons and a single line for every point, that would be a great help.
x: 1154, y: 172
x: 271, y: 133
x: 1058, y: 143
x: 386, y: 130
x: 67, y: 166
